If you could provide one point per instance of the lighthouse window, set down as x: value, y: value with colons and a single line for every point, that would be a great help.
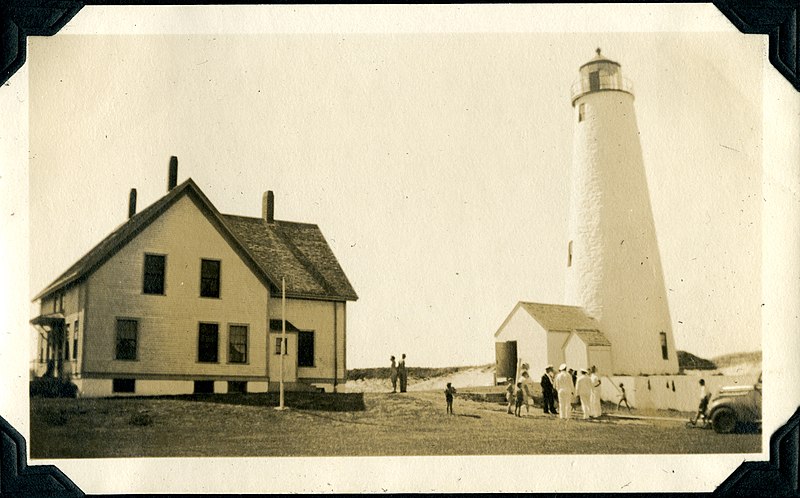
x: 569, y: 254
x: 594, y: 81
x: 581, y: 112
x: 664, y: 352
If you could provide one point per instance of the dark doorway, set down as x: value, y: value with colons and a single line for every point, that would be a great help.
x: 506, y: 359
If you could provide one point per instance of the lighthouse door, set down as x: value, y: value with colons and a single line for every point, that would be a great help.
x: 594, y: 81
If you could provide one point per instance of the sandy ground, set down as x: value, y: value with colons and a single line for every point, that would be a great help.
x: 752, y: 368
x: 469, y: 377
x: 484, y: 377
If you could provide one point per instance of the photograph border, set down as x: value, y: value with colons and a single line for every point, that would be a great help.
x: 776, y: 18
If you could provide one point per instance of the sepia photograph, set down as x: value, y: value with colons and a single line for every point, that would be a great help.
x: 430, y: 236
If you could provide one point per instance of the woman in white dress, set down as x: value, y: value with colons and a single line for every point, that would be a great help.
x: 597, y: 408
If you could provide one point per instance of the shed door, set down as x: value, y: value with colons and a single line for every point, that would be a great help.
x: 506, y: 359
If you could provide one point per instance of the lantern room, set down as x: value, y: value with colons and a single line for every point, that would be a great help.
x: 598, y: 75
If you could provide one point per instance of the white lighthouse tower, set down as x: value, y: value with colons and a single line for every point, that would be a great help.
x: 614, y: 269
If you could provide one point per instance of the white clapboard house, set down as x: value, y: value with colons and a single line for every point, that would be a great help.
x: 182, y: 298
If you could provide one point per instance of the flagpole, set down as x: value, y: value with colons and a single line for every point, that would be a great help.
x: 283, y: 336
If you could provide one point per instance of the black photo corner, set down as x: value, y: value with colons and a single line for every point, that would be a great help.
x: 776, y: 18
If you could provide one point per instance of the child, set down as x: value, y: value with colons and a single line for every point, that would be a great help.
x: 448, y: 396
x: 520, y: 398
x: 510, y: 396
x: 623, y: 397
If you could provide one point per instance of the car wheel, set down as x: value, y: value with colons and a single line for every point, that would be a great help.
x: 724, y: 421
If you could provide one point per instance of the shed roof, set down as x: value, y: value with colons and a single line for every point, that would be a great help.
x: 297, y: 251
x: 593, y: 337
x: 559, y: 317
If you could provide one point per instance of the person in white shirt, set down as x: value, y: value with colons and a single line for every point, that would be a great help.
x: 584, y: 387
x: 701, y: 409
x: 565, y: 389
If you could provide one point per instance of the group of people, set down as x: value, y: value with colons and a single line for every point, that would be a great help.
x: 398, y: 372
x: 562, y: 388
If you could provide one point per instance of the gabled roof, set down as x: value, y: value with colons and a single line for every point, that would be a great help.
x: 311, y: 269
x: 559, y: 317
x: 592, y: 337
x: 554, y: 316
x: 296, y: 251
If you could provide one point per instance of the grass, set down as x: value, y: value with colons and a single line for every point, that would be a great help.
x: 319, y: 424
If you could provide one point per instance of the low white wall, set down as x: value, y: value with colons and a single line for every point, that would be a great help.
x: 668, y: 392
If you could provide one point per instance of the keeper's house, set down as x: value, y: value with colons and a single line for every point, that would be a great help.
x: 181, y: 298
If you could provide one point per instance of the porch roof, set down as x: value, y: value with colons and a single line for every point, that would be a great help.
x: 49, y: 319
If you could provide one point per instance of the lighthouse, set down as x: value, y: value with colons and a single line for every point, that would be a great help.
x: 613, y: 265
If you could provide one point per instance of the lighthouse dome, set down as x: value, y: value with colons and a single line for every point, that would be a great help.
x: 598, y: 75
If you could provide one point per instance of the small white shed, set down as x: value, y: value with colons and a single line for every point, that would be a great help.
x: 586, y: 348
x: 540, y: 332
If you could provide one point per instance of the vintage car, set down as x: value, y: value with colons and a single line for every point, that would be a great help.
x: 734, y: 407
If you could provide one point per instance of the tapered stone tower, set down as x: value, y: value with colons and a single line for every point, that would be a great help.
x: 614, y: 269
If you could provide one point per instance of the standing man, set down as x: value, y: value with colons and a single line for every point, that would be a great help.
x: 393, y: 375
x: 548, y: 392
x: 597, y: 407
x: 402, y: 373
x: 584, y: 388
x: 565, y: 389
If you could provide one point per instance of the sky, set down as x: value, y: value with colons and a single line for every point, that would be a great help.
x: 436, y: 164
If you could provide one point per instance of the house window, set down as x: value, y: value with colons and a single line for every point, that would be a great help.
x: 66, y: 342
x: 127, y: 336
x: 153, y: 281
x: 75, y: 342
x: 208, y: 344
x: 278, y: 346
x: 209, y: 278
x: 61, y: 302
x: 664, y: 352
x: 237, y: 338
x: 204, y: 387
x: 305, y: 349
x: 123, y: 385
x: 581, y: 112
x: 237, y: 386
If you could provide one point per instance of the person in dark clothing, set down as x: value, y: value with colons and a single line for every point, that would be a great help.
x: 448, y: 396
x: 402, y: 373
x: 548, y: 391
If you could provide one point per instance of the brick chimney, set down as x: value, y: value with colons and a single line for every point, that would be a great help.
x: 268, y: 207
x: 132, y: 204
x: 173, y: 173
